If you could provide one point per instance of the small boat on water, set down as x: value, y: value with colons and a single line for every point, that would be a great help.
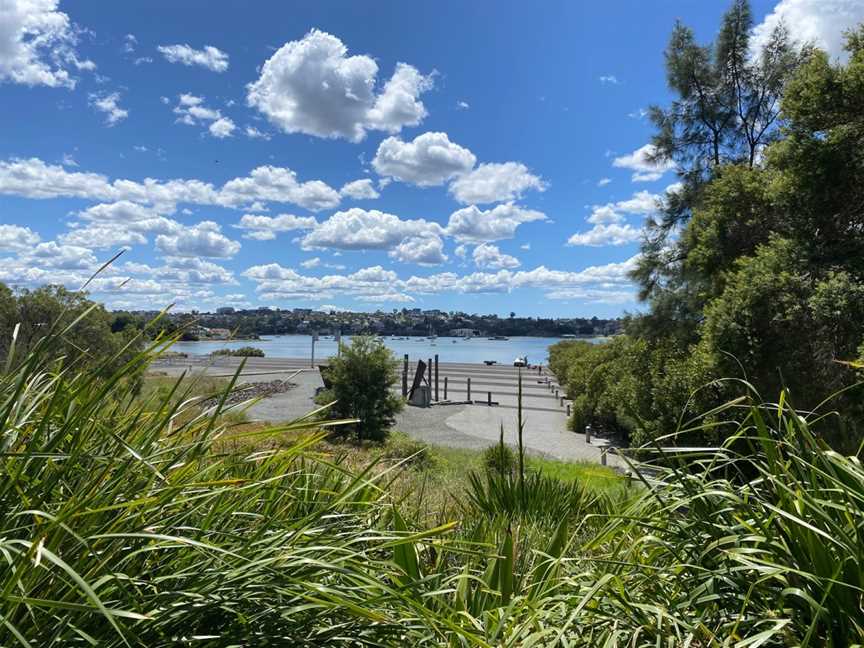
x: 498, y: 337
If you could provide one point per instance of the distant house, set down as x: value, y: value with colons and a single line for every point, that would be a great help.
x: 464, y: 332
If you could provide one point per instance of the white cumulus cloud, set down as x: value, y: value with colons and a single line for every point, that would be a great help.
x: 210, y: 57
x: 493, y: 182
x: 606, y: 234
x: 361, y: 229
x: 487, y: 255
x: 37, y: 44
x: 474, y: 225
x: 109, y: 104
x: 643, y: 169
x: 202, y: 240
x: 430, y: 159
x: 427, y: 250
x: 359, y: 190
x: 15, y: 237
x: 821, y: 22
x: 313, y: 86
x: 265, y: 228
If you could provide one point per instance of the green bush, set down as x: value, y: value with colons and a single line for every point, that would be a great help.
x: 361, y: 381
x: 499, y: 459
x: 242, y: 352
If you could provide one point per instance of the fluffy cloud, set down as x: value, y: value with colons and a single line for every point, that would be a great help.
x: 202, y: 240
x: 130, y: 215
x: 101, y: 237
x: 278, y: 184
x: 360, y: 229
x: 359, y: 190
x: 109, y: 104
x: 608, y: 282
x: 210, y: 57
x: 473, y: 225
x: 423, y: 250
x: 606, y: 234
x: 37, y: 44
x: 312, y: 86
x: 222, y: 127
x: 819, y: 21
x: 192, y: 111
x: 33, y: 178
x: 58, y: 255
x: 265, y: 228
x: 276, y: 282
x: 254, y: 133
x: 642, y: 202
x: 644, y: 170
x: 495, y: 183
x: 487, y: 255
x: 430, y: 159
x: 14, y: 237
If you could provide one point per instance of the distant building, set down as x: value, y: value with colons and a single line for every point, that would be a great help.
x: 225, y: 310
x: 464, y: 332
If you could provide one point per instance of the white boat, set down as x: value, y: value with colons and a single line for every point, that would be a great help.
x: 520, y: 361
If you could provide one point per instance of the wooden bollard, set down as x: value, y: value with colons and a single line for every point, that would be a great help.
x: 489, y: 399
x: 568, y: 407
x: 436, y: 376
x: 405, y: 376
x: 469, y: 389
x: 430, y: 377
x: 445, y: 388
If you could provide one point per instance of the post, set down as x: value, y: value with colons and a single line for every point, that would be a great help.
x: 405, y: 376
x: 568, y: 409
x: 436, y: 376
x: 430, y: 378
x: 314, y: 339
x: 556, y: 393
x: 588, y: 433
x: 539, y: 369
x: 489, y: 399
x: 445, y: 388
x: 469, y: 388
x: 603, y: 456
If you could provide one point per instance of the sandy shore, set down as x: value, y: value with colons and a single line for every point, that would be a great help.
x: 473, y: 426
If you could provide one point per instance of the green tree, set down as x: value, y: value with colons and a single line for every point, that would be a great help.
x: 361, y: 382
x: 765, y: 277
x: 36, y: 312
x: 726, y: 110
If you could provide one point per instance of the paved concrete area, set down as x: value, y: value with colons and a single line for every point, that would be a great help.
x: 474, y: 426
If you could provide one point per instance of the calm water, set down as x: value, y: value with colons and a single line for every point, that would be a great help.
x: 448, y: 349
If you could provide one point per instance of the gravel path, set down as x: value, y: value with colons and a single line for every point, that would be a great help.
x: 477, y: 427
x: 460, y: 426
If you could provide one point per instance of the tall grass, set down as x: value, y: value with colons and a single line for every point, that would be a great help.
x: 121, y: 525
x: 124, y: 521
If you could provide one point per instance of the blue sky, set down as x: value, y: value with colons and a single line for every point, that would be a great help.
x: 484, y: 156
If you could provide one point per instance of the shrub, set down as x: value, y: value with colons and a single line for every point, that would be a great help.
x: 499, y: 459
x: 361, y: 381
x: 242, y: 352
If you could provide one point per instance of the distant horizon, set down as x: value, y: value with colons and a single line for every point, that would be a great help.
x: 461, y: 156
